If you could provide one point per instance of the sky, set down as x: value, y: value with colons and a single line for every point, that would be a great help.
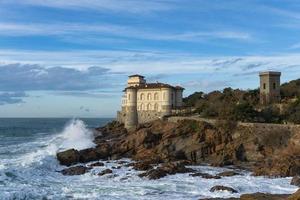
x: 71, y: 58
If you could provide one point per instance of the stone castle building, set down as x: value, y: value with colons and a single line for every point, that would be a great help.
x: 143, y: 102
x: 269, y: 87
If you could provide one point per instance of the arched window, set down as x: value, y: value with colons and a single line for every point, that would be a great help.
x: 142, y: 96
x: 142, y: 107
x: 149, y: 106
x: 156, y: 107
x: 149, y: 96
x: 156, y: 96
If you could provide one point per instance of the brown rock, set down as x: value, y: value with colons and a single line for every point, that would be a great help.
x: 142, y: 166
x: 88, y: 155
x: 97, y: 164
x: 205, y: 175
x: 228, y: 173
x: 295, y: 181
x: 77, y: 170
x: 106, y: 171
x: 295, y: 196
x: 154, y: 174
x: 68, y: 157
x: 223, y: 188
x: 262, y: 196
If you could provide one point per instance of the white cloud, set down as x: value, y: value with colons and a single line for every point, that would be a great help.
x: 109, y: 30
x: 128, y: 6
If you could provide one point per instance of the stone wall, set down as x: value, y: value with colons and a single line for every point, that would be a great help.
x: 148, y: 116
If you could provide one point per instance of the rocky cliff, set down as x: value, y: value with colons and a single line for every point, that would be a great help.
x: 271, y: 150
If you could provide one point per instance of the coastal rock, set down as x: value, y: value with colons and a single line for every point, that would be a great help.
x: 295, y: 196
x: 104, y: 172
x: 228, y: 173
x: 142, y: 166
x: 262, y: 196
x: 97, y: 164
x: 88, y: 155
x: 154, y: 174
x: 222, y: 188
x: 72, y: 171
x: 296, y: 181
x: 205, y: 175
x: 68, y: 157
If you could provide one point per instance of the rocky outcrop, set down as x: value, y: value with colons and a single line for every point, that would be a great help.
x: 72, y: 171
x: 271, y: 150
x: 262, y: 196
x: 296, y: 181
x: 228, y: 173
x: 205, y: 175
x: 223, y: 188
x: 104, y: 172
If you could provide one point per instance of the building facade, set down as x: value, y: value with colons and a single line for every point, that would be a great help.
x: 269, y: 87
x: 143, y: 102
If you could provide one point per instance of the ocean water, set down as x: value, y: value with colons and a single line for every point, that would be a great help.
x: 29, y: 169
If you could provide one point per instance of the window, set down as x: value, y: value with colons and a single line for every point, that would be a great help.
x: 149, y: 106
x: 149, y: 96
x: 156, y: 96
x: 129, y: 97
x: 164, y: 96
x: 274, y: 86
x: 142, y: 107
x: 156, y: 107
x: 264, y: 86
x: 142, y: 96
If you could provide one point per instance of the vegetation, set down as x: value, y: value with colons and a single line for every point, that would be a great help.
x: 243, y: 105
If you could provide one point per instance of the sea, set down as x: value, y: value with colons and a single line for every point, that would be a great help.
x: 29, y: 168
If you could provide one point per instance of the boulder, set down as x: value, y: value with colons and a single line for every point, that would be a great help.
x: 72, y: 171
x: 296, y: 181
x: 262, y: 196
x: 96, y: 164
x: 142, y: 166
x: 106, y: 171
x: 103, y: 151
x: 205, y: 175
x: 228, y: 173
x: 222, y: 188
x: 88, y: 155
x: 154, y: 174
x: 295, y: 196
x: 68, y: 157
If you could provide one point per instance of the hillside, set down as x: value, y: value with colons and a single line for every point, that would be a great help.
x: 243, y: 105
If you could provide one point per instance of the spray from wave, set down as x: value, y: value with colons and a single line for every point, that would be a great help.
x: 75, y: 135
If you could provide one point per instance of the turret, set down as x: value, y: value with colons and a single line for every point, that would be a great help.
x: 269, y: 87
x: 166, y: 104
x: 131, y: 118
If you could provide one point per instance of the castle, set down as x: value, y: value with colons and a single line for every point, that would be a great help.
x: 143, y: 102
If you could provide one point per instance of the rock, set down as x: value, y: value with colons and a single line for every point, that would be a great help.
x: 154, y: 174
x: 97, y: 164
x: 228, y: 173
x: 142, y: 166
x: 295, y: 196
x: 77, y: 170
x: 205, y: 175
x: 296, y: 181
x: 116, y: 167
x: 88, y: 155
x: 262, y: 196
x: 68, y: 157
x: 106, y: 171
x: 103, y: 151
x: 223, y: 188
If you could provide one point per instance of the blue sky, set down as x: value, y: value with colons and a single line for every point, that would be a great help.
x: 71, y: 58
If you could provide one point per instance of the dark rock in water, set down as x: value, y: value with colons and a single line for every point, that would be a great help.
x: 106, y: 171
x: 165, y: 169
x: 142, y: 166
x: 103, y: 151
x: 88, y: 155
x: 223, y: 188
x: 68, y: 157
x: 97, y: 164
x: 154, y: 174
x: 77, y: 170
x: 122, y: 162
x: 262, y: 196
x: 228, y: 173
x: 205, y: 175
x: 296, y: 181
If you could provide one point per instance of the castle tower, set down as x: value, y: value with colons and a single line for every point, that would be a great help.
x: 131, y: 118
x: 166, y: 103
x: 269, y: 87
